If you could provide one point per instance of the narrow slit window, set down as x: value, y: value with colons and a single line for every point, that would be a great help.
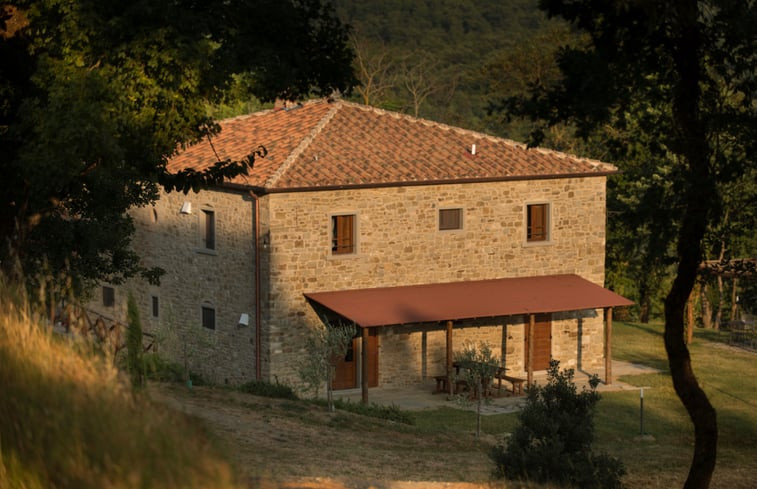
x: 450, y: 219
x: 155, y: 306
x: 343, y: 234
x: 537, y: 216
x: 209, y: 235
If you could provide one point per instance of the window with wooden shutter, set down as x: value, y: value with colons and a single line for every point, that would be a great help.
x: 450, y: 219
x: 537, y: 216
x: 343, y: 234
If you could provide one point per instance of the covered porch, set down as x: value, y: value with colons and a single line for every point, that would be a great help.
x: 420, y: 396
x: 443, y: 306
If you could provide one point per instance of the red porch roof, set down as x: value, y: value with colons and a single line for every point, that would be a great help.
x: 467, y: 300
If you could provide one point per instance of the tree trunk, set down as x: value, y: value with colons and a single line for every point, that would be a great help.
x: 719, y: 307
x: 706, y: 307
x: 644, y: 305
x: 735, y: 300
x: 330, y: 389
x: 479, y: 397
x: 690, y: 316
x: 700, y: 197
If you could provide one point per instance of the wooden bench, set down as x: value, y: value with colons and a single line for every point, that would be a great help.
x: 516, y: 382
x: 441, y: 384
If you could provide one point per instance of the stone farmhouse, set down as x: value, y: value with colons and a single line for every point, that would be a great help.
x: 425, y: 236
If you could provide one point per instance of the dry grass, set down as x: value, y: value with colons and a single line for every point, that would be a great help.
x: 67, y: 419
x: 291, y: 439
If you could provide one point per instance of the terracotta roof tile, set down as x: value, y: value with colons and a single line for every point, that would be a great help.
x: 334, y: 144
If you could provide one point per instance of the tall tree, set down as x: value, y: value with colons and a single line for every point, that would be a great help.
x: 95, y: 97
x: 690, y: 66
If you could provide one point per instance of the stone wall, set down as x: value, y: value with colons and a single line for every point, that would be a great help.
x: 399, y: 244
x: 222, y: 279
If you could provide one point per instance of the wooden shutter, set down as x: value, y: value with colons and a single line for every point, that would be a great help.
x: 537, y: 222
x: 343, y: 240
x: 450, y: 219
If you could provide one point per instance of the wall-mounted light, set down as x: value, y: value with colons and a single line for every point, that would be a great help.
x: 244, y: 320
x: 186, y: 207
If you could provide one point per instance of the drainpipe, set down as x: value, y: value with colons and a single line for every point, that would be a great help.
x: 256, y: 240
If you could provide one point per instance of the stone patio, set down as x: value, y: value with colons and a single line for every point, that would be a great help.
x: 421, y: 396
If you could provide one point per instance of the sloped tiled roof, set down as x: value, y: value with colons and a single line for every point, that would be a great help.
x: 326, y: 144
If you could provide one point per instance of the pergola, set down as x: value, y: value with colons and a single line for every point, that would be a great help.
x: 449, y: 302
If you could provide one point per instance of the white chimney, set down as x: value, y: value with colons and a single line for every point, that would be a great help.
x: 473, y: 150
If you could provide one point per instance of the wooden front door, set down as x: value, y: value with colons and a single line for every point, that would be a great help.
x: 542, y: 342
x: 345, y: 375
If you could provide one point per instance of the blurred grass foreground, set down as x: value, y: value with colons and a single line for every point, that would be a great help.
x: 69, y: 419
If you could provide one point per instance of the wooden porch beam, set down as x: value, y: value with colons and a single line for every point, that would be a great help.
x: 608, y: 345
x: 364, y: 367
x: 530, y: 352
x: 449, y: 357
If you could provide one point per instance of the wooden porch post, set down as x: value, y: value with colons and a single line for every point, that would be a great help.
x: 449, y: 357
x: 530, y: 352
x: 364, y: 366
x: 608, y: 345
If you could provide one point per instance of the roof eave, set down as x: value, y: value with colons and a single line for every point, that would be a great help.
x: 430, y: 182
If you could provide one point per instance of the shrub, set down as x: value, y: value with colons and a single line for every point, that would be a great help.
x: 134, y: 354
x: 159, y: 369
x: 552, y: 442
x: 267, y: 389
x: 390, y: 413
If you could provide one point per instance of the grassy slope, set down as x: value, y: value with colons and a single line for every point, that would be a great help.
x: 728, y: 377
x: 68, y: 420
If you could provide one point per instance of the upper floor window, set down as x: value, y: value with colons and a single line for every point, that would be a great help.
x: 109, y: 296
x: 343, y: 234
x: 209, y: 230
x: 537, y: 222
x: 450, y: 219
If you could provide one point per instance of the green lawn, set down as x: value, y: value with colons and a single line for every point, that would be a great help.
x: 728, y: 375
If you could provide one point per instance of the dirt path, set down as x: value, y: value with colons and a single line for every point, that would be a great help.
x: 288, y: 440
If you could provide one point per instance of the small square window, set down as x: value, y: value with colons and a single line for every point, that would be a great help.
x: 343, y: 234
x: 155, y: 306
x: 208, y: 317
x: 450, y: 219
x: 209, y: 231
x: 537, y: 222
x: 109, y: 296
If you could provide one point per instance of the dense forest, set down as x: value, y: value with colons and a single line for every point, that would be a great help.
x: 447, y: 60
